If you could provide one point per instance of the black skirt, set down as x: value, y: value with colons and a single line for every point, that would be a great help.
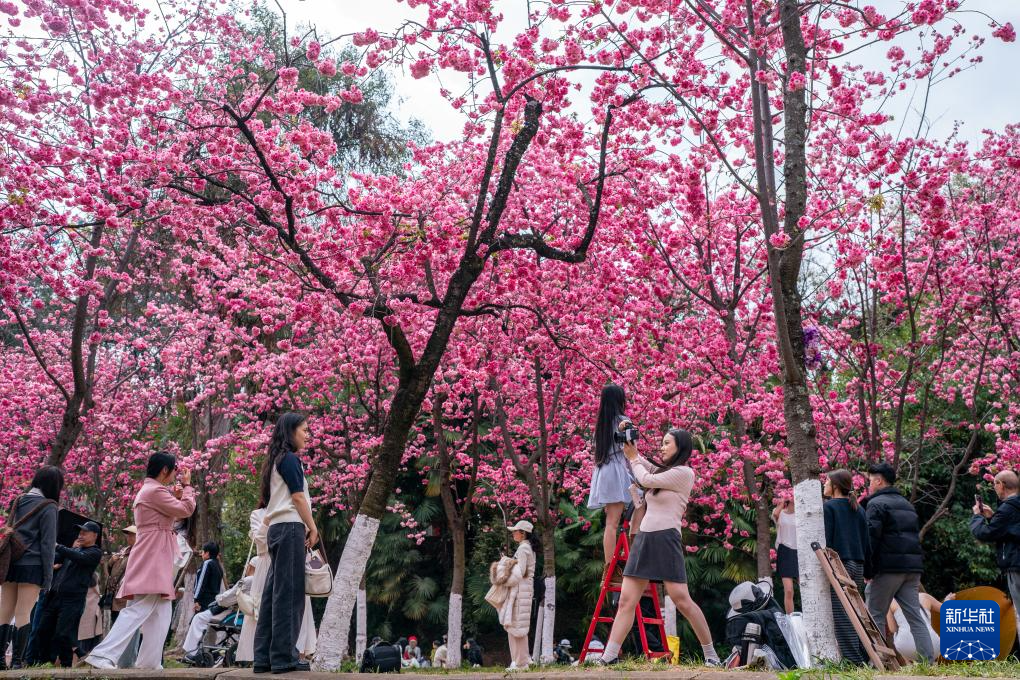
x: 786, y: 562
x: 657, y: 556
x: 31, y: 574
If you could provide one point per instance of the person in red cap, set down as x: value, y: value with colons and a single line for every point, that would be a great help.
x: 412, y: 654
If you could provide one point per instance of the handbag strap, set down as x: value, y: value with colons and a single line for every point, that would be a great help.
x: 28, y: 515
x: 248, y: 558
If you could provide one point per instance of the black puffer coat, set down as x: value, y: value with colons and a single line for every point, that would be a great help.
x: 893, y: 529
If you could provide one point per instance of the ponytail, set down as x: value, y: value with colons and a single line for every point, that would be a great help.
x: 843, y: 482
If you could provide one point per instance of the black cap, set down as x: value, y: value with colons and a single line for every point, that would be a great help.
x: 90, y: 526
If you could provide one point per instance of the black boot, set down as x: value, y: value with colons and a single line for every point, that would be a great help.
x: 18, y: 659
x: 6, y: 633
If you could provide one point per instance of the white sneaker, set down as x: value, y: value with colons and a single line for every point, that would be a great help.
x: 511, y: 668
x: 100, y: 663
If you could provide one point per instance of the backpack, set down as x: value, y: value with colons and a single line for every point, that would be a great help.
x: 11, y: 547
x: 381, y: 658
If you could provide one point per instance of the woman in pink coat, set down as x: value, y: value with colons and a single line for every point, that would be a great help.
x: 149, y: 578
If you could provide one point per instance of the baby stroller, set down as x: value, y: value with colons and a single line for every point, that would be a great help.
x: 758, y: 629
x: 221, y: 654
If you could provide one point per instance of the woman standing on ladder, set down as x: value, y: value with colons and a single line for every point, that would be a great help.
x: 612, y: 479
x: 658, y: 551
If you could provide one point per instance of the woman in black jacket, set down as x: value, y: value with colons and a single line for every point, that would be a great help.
x: 34, y: 516
x: 846, y: 532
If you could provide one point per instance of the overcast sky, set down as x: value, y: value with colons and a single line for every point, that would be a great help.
x: 983, y: 97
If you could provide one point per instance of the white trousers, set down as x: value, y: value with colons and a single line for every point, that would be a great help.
x: 149, y: 615
x: 199, y: 625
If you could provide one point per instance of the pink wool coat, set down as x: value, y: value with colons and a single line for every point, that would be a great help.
x: 150, y: 571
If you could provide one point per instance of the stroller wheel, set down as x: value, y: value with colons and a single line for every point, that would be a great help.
x: 228, y: 657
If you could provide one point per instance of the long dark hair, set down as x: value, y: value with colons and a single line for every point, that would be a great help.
x: 611, y: 405
x: 843, y: 482
x: 49, y: 479
x: 281, y: 442
x: 534, y: 541
x: 684, y: 448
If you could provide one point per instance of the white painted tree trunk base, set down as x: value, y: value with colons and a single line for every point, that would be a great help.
x: 185, y: 611
x: 814, y: 586
x: 361, y: 627
x: 453, y: 630
x: 549, y: 622
x: 335, y: 630
x: 536, y: 646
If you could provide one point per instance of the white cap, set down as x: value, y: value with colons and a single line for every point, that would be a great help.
x: 523, y: 525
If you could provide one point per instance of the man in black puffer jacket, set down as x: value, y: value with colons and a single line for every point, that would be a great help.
x: 896, y: 557
x: 1002, y: 527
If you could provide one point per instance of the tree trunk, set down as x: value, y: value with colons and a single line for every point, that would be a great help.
x: 536, y: 646
x: 548, y: 611
x: 800, y: 422
x: 335, y: 628
x: 763, y: 532
x: 454, y: 614
x: 361, y: 626
x: 70, y: 429
x: 185, y: 610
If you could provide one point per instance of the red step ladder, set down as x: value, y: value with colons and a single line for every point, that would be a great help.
x: 620, y: 556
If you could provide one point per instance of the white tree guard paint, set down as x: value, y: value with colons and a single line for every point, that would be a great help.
x: 540, y: 622
x: 335, y: 629
x: 185, y: 610
x: 669, y: 616
x: 549, y: 621
x: 814, y: 586
x: 361, y: 627
x: 453, y: 630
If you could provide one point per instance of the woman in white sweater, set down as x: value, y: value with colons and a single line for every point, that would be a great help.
x: 658, y: 552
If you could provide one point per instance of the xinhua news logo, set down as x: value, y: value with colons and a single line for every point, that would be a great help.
x: 970, y: 630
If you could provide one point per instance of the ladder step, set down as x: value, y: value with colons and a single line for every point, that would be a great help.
x: 605, y: 619
x: 652, y: 621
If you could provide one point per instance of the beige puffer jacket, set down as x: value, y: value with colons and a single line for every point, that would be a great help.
x: 522, y: 592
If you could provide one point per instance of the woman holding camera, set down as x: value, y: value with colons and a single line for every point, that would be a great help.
x: 658, y: 551
x: 149, y: 577
x: 611, y: 480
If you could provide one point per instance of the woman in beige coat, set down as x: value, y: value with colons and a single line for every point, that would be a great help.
x: 522, y: 594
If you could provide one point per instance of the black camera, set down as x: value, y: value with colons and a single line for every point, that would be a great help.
x: 627, y: 435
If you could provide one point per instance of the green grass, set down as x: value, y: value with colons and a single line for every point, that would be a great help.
x: 975, y: 669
